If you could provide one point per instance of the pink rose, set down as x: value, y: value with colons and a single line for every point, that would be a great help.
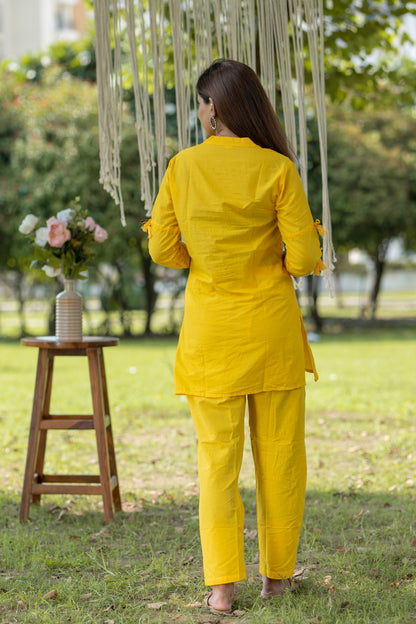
x: 100, y: 234
x: 90, y: 224
x: 58, y: 233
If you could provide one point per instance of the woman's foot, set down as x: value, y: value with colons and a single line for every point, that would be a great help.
x: 277, y: 587
x: 221, y: 598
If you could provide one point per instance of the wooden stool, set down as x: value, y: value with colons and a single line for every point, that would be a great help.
x: 35, y: 481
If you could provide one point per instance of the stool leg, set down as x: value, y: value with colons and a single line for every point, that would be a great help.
x: 40, y: 455
x: 99, y: 425
x: 34, y: 432
x: 109, y: 431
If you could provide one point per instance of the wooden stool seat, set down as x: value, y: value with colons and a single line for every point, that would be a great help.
x: 36, y: 482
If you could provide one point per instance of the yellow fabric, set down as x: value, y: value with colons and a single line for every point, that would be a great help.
x: 277, y: 439
x: 234, y: 203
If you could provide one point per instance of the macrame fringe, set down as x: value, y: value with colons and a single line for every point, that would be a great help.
x: 314, y: 17
x: 110, y: 98
x: 200, y: 29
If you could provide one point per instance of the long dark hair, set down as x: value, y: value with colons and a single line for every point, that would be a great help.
x: 242, y: 104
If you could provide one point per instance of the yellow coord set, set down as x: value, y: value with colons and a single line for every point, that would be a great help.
x: 237, y: 216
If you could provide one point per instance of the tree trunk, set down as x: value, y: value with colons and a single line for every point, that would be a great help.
x: 122, y: 303
x: 52, y: 308
x: 313, y: 303
x: 21, y: 304
x: 52, y: 318
x: 149, y: 286
x: 379, y: 264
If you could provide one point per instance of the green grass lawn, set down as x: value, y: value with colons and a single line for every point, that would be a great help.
x: 358, y: 543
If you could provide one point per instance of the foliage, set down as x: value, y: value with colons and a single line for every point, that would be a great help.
x: 67, y: 58
x: 370, y: 160
x: 66, y: 245
x: 49, y: 133
x: 358, y: 538
x: 42, y: 169
x: 50, y: 154
x: 372, y: 182
x: 361, y: 53
x: 363, y: 65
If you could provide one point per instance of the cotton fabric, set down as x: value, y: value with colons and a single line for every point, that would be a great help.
x: 224, y: 209
x: 277, y: 439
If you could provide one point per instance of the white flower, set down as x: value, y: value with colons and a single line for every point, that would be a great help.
x: 41, y: 237
x: 28, y: 224
x: 51, y: 271
x: 65, y: 215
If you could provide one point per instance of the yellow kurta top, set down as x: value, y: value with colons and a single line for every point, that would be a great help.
x: 234, y: 202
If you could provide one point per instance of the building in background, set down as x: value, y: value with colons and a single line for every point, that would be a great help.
x: 32, y: 25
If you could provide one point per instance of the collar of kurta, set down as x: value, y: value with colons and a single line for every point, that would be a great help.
x: 231, y: 141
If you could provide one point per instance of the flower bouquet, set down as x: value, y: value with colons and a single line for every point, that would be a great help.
x: 65, y: 246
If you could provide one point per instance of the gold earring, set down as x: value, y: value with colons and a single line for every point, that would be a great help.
x: 212, y: 120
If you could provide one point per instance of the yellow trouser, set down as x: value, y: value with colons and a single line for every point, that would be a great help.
x: 277, y: 427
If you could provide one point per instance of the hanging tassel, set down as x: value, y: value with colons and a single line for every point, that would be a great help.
x: 147, y: 227
x: 319, y: 228
x: 319, y: 267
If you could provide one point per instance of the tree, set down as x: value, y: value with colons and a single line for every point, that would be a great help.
x: 362, y: 71
x: 52, y: 158
x: 363, y: 64
x: 371, y: 164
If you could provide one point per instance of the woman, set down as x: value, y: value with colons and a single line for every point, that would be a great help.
x: 239, y: 205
